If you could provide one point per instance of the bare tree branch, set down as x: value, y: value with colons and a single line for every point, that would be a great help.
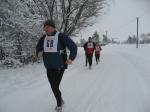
x: 71, y: 15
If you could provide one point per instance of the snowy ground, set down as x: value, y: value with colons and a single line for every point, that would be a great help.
x: 119, y: 83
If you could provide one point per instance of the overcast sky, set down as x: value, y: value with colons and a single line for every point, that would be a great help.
x: 120, y: 19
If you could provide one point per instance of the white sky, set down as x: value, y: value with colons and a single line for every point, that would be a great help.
x: 120, y: 19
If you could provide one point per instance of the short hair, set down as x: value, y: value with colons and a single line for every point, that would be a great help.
x: 49, y: 22
x: 90, y: 38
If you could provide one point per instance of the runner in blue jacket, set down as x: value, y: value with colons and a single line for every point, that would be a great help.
x: 52, y: 47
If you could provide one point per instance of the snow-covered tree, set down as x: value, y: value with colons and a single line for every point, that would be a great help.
x: 96, y: 37
x: 82, y: 41
x: 71, y: 16
x: 19, y: 29
x: 105, y: 39
x: 145, y: 38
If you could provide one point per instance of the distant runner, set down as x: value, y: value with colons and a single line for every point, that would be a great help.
x: 89, y: 48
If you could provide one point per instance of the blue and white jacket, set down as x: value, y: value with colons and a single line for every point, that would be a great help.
x: 54, y: 50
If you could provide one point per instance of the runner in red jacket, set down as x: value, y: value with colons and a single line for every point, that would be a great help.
x: 97, y: 52
x: 89, y: 48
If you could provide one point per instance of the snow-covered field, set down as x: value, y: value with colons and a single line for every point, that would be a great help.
x: 119, y: 83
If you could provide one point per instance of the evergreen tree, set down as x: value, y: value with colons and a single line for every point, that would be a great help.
x: 82, y: 41
x: 129, y: 39
x: 96, y: 37
x: 105, y: 39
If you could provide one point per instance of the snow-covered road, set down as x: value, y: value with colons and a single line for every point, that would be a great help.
x: 119, y: 83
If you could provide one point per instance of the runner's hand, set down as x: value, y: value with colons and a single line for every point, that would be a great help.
x: 69, y: 61
x: 40, y: 54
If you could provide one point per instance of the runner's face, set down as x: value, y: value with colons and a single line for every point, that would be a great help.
x: 49, y: 29
x: 90, y: 40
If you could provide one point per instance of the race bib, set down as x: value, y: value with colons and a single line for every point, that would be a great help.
x: 50, y: 43
x: 90, y: 45
x: 97, y: 48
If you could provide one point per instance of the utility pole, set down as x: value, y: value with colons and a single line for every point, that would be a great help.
x: 137, y: 40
